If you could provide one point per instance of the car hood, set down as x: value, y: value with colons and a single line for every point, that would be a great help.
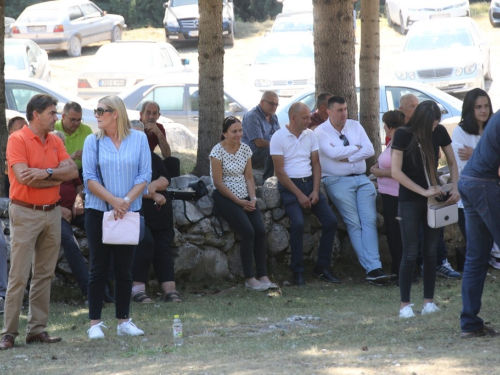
x: 292, y: 70
x: 439, y: 58
x: 186, y: 11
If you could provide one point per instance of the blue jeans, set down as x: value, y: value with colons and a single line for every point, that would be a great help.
x: 413, y: 216
x: 100, y: 260
x: 481, y: 199
x: 354, y: 197
x: 325, y: 216
x: 72, y: 252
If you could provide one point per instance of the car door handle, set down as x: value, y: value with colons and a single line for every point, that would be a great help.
x: 194, y: 118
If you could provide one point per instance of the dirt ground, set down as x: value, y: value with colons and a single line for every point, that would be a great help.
x: 65, y: 70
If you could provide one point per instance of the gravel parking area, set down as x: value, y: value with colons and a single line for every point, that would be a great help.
x: 65, y: 70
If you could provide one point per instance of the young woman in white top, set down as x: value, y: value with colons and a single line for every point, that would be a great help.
x: 236, y: 201
x: 476, y: 111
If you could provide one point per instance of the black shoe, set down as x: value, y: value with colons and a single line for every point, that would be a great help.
x: 325, y: 274
x: 378, y: 277
x: 108, y: 295
x: 298, y: 279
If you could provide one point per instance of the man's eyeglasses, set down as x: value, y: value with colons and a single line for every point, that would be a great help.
x: 344, y: 139
x: 272, y: 104
x: 100, y: 111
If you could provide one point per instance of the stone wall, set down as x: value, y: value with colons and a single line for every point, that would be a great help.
x: 200, y: 253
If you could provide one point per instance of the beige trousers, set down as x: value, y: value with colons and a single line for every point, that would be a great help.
x: 35, y: 241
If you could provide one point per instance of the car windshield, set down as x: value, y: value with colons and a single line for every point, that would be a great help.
x: 430, y: 39
x: 118, y: 56
x: 298, y: 22
x: 39, y: 15
x: 14, y: 59
x: 284, y: 53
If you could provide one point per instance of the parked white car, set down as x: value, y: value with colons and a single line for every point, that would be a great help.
x: 296, y: 21
x: 23, y: 58
x: 450, y: 54
x: 284, y: 63
x: 494, y: 13
x: 67, y: 25
x: 390, y: 94
x: 117, y: 66
x: 406, y: 12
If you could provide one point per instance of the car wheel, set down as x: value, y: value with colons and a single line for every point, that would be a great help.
x: 75, y: 47
x: 402, y: 28
x: 229, y: 40
x: 116, y: 34
x: 388, y: 15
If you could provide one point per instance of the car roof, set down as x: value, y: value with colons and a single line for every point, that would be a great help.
x: 56, y: 4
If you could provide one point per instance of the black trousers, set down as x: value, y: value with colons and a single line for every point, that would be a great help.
x: 393, y: 231
x: 250, y: 228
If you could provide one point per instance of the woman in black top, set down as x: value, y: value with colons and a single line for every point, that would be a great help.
x: 420, y: 140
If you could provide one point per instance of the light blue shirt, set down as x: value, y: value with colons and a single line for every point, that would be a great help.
x: 121, y: 169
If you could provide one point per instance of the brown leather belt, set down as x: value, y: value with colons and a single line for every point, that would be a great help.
x: 45, y: 207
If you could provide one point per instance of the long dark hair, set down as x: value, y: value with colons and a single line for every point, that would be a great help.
x: 226, y: 124
x: 420, y: 124
x: 468, y: 122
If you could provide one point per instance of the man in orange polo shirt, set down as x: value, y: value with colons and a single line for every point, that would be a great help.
x: 38, y: 163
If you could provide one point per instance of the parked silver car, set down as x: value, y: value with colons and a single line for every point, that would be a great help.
x: 177, y: 96
x: 390, y: 94
x: 118, y: 66
x: 23, y: 58
x: 495, y: 13
x: 67, y: 25
x: 450, y: 54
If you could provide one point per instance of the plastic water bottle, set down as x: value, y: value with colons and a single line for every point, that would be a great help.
x: 177, y: 330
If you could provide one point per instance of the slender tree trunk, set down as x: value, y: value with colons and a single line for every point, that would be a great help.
x: 334, y: 51
x: 3, y: 123
x: 369, y: 61
x: 211, y: 82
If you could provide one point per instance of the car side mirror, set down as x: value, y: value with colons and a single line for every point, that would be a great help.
x: 165, y: 5
x: 444, y: 111
x: 185, y: 61
x: 234, y: 107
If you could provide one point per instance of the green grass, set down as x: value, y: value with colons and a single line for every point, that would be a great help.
x: 228, y: 330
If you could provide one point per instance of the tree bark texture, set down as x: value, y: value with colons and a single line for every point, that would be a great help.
x: 369, y: 61
x: 211, y: 82
x: 3, y: 123
x: 334, y: 51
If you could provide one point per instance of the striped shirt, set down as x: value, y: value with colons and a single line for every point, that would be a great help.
x: 121, y: 169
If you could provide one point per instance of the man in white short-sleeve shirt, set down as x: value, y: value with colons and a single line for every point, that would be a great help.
x: 343, y: 150
x: 294, y: 150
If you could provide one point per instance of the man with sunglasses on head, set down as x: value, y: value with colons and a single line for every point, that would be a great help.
x: 343, y: 150
x: 259, y: 125
x: 74, y: 131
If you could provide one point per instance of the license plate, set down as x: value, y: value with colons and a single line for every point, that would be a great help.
x: 442, y: 15
x: 193, y: 33
x: 439, y: 84
x: 36, y: 29
x: 289, y: 92
x: 112, y: 82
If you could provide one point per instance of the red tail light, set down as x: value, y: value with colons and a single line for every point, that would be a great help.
x: 15, y: 30
x: 83, y: 84
x: 58, y: 28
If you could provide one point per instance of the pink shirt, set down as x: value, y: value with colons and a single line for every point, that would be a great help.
x: 387, y: 185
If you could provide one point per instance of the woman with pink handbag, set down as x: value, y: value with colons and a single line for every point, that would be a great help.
x: 116, y: 169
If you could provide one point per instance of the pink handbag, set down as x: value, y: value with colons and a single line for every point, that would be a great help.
x: 125, y: 231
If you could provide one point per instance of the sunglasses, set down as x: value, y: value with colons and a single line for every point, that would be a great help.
x: 100, y: 111
x: 344, y: 139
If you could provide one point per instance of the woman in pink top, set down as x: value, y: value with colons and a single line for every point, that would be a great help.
x: 389, y: 189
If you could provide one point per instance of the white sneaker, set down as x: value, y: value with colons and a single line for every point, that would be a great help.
x: 128, y: 329
x: 406, y: 312
x: 95, y: 332
x: 429, y: 308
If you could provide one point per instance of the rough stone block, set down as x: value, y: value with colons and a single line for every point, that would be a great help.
x: 277, y: 240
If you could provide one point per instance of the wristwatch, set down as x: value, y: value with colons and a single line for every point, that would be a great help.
x: 126, y: 199
x: 50, y: 172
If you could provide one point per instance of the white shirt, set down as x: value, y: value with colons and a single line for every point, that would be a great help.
x: 460, y: 139
x: 332, y: 149
x: 296, y: 152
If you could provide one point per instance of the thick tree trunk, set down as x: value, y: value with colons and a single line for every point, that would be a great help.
x: 211, y: 82
x: 334, y: 52
x: 369, y: 60
x: 3, y: 126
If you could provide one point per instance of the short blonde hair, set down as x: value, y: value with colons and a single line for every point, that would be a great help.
x: 123, y: 123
